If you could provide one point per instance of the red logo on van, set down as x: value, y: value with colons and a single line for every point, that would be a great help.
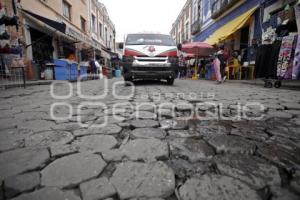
x: 151, y: 49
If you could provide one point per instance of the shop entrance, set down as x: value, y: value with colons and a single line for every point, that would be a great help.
x: 42, y: 49
x: 244, y: 37
x: 42, y: 52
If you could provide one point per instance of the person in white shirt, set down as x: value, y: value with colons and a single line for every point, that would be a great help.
x: 99, y: 69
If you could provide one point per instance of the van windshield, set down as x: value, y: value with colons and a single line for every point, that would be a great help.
x: 150, y: 39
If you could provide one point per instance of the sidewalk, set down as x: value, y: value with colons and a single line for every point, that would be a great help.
x: 6, y: 85
x: 286, y: 84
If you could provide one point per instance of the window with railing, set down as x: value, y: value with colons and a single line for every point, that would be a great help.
x: 218, y: 7
x: 196, y: 27
x: 66, y: 10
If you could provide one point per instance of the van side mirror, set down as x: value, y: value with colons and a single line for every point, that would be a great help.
x: 179, y: 47
x: 121, y: 45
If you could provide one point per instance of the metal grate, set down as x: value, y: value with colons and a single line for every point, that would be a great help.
x: 11, y: 74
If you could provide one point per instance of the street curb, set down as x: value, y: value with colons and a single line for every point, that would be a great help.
x: 19, y: 85
x: 286, y: 84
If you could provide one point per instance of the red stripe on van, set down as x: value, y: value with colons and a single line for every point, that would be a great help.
x: 169, y: 53
x: 131, y: 52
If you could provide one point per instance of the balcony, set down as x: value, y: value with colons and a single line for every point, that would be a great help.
x: 182, y: 37
x: 196, y: 27
x: 220, y: 6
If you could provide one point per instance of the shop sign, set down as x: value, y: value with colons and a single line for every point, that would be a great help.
x: 81, y: 37
x: 96, y: 44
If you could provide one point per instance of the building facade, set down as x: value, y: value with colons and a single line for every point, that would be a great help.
x: 66, y: 29
x: 211, y: 15
x: 102, y: 30
x: 181, y: 28
x: 248, y: 20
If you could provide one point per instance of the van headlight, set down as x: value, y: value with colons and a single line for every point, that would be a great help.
x: 128, y: 59
x: 173, y: 60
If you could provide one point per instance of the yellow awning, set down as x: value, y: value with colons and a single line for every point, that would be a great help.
x: 229, y: 28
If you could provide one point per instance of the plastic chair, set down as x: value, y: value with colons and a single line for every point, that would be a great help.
x: 235, y: 67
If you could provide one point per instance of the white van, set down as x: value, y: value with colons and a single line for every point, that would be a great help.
x: 150, y: 56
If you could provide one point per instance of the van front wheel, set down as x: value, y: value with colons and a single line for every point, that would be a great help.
x: 170, y: 81
x: 128, y: 81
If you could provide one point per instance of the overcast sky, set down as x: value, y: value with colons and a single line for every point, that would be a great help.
x: 131, y: 16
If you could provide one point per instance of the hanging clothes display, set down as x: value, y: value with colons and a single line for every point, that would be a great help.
x: 296, y: 63
x: 284, y: 57
x: 266, y: 68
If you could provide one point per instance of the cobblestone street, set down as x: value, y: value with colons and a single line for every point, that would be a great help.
x: 191, y: 141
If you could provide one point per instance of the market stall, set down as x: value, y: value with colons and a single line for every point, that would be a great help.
x: 281, y: 44
x: 198, y: 51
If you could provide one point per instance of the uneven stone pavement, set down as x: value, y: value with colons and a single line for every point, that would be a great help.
x: 191, y: 141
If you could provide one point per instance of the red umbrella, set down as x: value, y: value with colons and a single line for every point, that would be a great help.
x: 198, y: 48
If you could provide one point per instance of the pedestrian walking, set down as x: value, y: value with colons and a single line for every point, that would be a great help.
x: 217, y: 65
x: 223, y: 63
x: 99, y: 69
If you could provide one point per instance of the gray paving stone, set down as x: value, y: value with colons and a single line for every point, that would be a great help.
x: 209, y: 129
x: 72, y: 126
x: 134, y: 180
x: 72, y: 170
x: 97, y: 189
x: 171, y: 124
x: 291, y: 106
x: 146, y: 199
x: 95, y: 143
x: 193, y: 149
x: 184, y: 169
x: 250, y: 169
x: 139, y: 149
x: 12, y: 139
x: 144, y: 115
x: 124, y: 124
x: 295, y: 182
x: 36, y: 125
x: 145, y: 106
x: 48, y: 193
x: 296, y: 121
x: 212, y: 187
x: 274, y: 106
x: 166, y: 113
x: 48, y: 138
x: 279, y: 193
x: 144, y: 123
x: 148, y: 133
x: 286, y: 132
x: 182, y: 134
x: 278, y: 114
x: 285, y: 156
x: 62, y: 150
x: 203, y: 106
x: 232, y: 144
x: 15, y: 185
x: 85, y: 119
x: 184, y: 106
x: 1, y: 193
x: 8, y: 123
x: 293, y: 112
x: 21, y: 160
x: 250, y: 133
x: 110, y: 129
x: 27, y: 116
x: 109, y: 120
